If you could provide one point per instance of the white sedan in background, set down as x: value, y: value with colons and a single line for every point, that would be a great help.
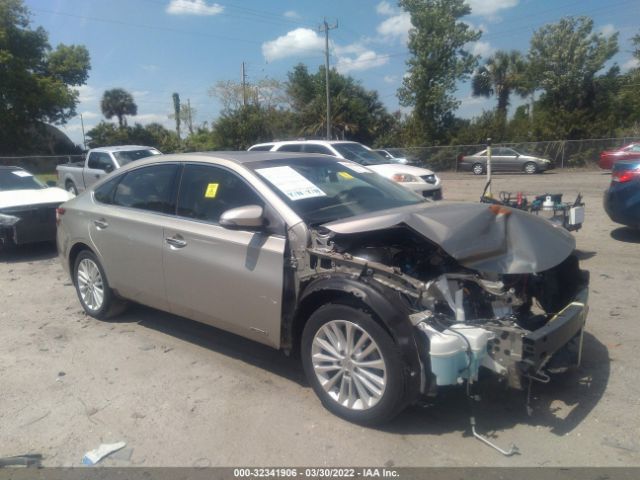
x: 27, y: 207
x: 422, y: 181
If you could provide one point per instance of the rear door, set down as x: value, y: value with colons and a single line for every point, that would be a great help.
x: 499, y: 159
x: 127, y: 227
x: 231, y: 279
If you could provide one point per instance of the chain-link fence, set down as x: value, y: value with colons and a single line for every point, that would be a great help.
x: 564, y: 153
x: 40, y: 163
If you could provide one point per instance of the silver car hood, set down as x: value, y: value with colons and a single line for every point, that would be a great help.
x: 486, y: 238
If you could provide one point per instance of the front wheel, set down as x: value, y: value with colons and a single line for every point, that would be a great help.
x: 92, y: 287
x: 530, y: 168
x: 353, y: 364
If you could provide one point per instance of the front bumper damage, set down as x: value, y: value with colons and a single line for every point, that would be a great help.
x: 30, y: 224
x: 459, y: 353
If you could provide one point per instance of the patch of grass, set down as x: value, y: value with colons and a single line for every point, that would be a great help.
x: 46, y: 177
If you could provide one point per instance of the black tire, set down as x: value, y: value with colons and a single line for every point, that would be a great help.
x: 477, y: 169
x: 530, y: 168
x: 110, y: 305
x: 392, y: 400
x: 71, y: 187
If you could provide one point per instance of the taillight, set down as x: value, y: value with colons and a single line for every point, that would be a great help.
x: 59, y: 212
x: 622, y: 176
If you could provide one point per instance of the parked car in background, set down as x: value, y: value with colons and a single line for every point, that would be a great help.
x: 504, y: 159
x: 422, y: 181
x: 609, y: 157
x: 27, y: 207
x: 622, y: 199
x: 386, y: 154
x: 75, y: 177
x: 381, y: 291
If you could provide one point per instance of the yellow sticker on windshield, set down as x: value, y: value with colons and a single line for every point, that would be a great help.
x: 212, y: 190
x: 345, y: 175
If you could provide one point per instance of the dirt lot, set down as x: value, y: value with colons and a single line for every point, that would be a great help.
x: 184, y: 394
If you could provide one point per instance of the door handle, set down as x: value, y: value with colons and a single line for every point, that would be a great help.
x: 101, y: 224
x: 176, y: 241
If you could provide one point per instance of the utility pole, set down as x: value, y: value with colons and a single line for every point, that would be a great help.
x: 325, y: 27
x: 244, y: 87
x: 189, y: 113
x: 84, y: 140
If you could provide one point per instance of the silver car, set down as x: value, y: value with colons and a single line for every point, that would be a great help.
x: 504, y: 159
x: 385, y: 296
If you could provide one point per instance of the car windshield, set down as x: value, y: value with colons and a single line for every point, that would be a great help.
x: 19, y: 180
x: 359, y: 153
x: 127, y: 156
x: 324, y: 190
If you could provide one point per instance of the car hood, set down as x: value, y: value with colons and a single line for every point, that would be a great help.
x: 486, y: 238
x: 392, y: 168
x: 20, y: 198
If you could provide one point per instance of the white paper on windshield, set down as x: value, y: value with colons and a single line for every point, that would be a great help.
x: 291, y: 183
x: 355, y: 167
x: 21, y: 173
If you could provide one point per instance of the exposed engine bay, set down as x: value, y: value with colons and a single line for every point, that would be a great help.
x: 509, y: 324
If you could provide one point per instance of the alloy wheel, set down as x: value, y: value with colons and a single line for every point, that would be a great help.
x: 349, y: 365
x: 90, y: 284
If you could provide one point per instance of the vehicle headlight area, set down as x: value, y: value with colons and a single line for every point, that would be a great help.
x: 405, y: 178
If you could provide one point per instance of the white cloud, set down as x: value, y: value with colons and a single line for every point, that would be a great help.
x: 150, y: 118
x: 296, y: 42
x: 608, y: 29
x: 629, y: 64
x: 484, y: 49
x: 364, y: 61
x: 397, y: 26
x: 86, y: 93
x: 390, y: 78
x: 490, y: 7
x: 193, y: 7
x: 139, y: 93
x: 292, y: 14
x: 385, y: 8
x: 87, y: 115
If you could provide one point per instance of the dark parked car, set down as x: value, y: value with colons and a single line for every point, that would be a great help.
x: 628, y: 152
x: 504, y: 160
x: 622, y: 199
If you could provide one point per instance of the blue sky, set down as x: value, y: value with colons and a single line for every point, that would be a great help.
x: 153, y: 48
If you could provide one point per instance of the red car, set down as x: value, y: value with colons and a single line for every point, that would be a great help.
x: 628, y: 152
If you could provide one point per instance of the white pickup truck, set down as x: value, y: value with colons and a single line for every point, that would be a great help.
x: 75, y: 177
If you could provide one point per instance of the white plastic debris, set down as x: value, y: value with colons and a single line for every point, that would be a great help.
x: 94, y: 456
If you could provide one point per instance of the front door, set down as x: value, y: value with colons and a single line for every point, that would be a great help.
x: 231, y: 279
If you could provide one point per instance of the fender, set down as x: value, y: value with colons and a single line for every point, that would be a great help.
x: 390, y: 308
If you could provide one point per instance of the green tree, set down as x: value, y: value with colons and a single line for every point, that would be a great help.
x: 117, y: 102
x: 35, y: 80
x: 565, y: 58
x: 356, y: 113
x: 152, y: 135
x: 503, y: 74
x: 241, y: 128
x: 438, y: 60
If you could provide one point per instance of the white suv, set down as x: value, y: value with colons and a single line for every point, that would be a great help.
x: 420, y: 180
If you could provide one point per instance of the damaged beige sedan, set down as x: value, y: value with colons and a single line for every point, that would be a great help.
x: 385, y: 296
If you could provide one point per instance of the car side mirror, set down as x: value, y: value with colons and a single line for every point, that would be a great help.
x: 51, y: 183
x: 250, y: 217
x: 108, y: 168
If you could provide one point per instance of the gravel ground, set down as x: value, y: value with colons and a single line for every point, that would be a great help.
x: 184, y: 394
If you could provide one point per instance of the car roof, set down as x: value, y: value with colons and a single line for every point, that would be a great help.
x: 239, y: 157
x: 122, y: 148
x: 293, y: 142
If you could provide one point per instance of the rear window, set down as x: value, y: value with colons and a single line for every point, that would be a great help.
x: 359, y: 153
x: 261, y: 148
x: 127, y: 156
x: 19, y: 179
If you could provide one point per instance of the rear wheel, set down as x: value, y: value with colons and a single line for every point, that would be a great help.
x: 477, y: 169
x: 96, y: 297
x: 530, y: 168
x: 353, y: 364
x: 71, y: 187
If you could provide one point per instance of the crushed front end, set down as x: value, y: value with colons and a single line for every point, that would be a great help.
x: 493, y: 290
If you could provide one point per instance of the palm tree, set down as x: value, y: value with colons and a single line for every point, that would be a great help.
x: 118, y: 103
x: 502, y: 74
